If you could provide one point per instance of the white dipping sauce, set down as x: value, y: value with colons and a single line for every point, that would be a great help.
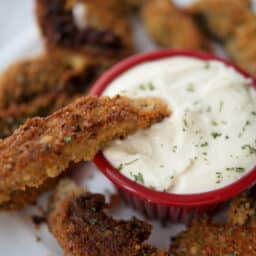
x: 209, y: 141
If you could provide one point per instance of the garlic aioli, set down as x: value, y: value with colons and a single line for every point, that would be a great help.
x: 209, y: 141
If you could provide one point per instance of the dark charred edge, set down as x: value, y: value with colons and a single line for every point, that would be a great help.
x: 58, y: 27
x: 45, y: 104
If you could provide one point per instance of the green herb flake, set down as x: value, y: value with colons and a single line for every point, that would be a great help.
x: 219, y: 177
x: 138, y: 177
x: 174, y: 148
x: 204, y: 145
x: 214, y: 123
x: 221, y: 106
x: 236, y: 169
x: 191, y: 88
x: 215, y: 135
x: 120, y: 167
x: 68, y: 140
x: 253, y: 113
x: 207, y: 65
x: 150, y: 86
x: 209, y: 109
x: 252, y: 150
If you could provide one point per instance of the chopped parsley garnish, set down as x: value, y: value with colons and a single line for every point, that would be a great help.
x: 236, y: 169
x: 214, y: 123
x: 254, y: 113
x: 149, y: 86
x: 221, y: 106
x: 219, y: 177
x: 252, y: 150
x: 209, y: 109
x: 174, y: 148
x: 191, y: 88
x: 68, y: 140
x: 185, y: 122
x: 204, y: 145
x: 215, y: 135
x: 138, y: 177
x: 120, y: 167
x: 247, y: 123
x: 207, y: 65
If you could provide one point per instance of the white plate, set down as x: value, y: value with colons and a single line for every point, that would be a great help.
x: 19, y: 38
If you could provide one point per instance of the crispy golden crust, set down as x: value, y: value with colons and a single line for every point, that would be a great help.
x: 39, y: 86
x: 242, y: 210
x: 242, y: 47
x: 79, y: 222
x: 206, y: 239
x: 44, y: 147
x: 222, y: 17
x: 106, y: 36
x: 237, y: 237
x: 170, y: 27
x: 27, y: 79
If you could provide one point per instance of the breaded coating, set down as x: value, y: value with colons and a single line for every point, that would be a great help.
x: 205, y: 239
x: 222, y: 17
x: 79, y: 222
x: 39, y: 86
x: 44, y: 147
x: 103, y: 32
x: 27, y: 79
x: 237, y: 237
x: 242, y: 210
x: 135, y: 4
x: 242, y: 47
x: 170, y: 27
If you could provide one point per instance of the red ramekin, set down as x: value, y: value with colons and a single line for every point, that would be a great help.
x: 161, y: 205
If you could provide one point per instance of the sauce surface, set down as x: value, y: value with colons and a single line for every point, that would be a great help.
x: 210, y: 139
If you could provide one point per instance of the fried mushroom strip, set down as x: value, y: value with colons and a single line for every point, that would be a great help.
x: 242, y: 46
x: 222, y: 17
x: 206, y: 239
x: 79, y: 222
x: 27, y: 79
x: 104, y: 33
x: 237, y: 237
x: 39, y: 86
x: 44, y: 147
x: 170, y: 27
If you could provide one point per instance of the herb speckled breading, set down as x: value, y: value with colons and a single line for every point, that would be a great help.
x: 44, y: 147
